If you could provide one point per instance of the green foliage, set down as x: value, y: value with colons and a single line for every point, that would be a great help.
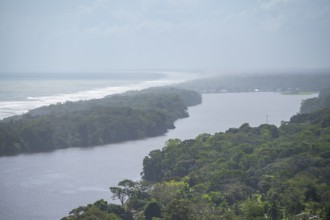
x: 165, y: 192
x: 152, y: 210
x: 97, y: 211
x: 178, y: 210
x: 152, y: 167
x: 112, y: 119
x: 128, y: 189
x: 316, y: 104
x: 264, y: 172
x: 288, y: 167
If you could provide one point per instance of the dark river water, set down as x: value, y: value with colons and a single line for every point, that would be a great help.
x: 49, y: 185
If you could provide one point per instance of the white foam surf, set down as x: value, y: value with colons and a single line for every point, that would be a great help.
x: 11, y: 108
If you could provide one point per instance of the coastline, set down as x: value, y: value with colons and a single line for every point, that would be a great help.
x: 21, y: 95
x: 67, y: 177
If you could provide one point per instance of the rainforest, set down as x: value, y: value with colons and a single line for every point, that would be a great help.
x: 263, y: 172
x: 129, y: 116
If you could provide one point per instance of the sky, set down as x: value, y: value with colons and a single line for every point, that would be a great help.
x: 102, y: 35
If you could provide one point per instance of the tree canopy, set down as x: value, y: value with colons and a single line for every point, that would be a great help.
x: 276, y: 82
x: 263, y: 172
x: 116, y: 118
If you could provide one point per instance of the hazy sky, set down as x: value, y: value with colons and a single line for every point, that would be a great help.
x: 99, y: 35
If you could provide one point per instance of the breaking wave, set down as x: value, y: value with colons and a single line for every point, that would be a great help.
x: 11, y: 108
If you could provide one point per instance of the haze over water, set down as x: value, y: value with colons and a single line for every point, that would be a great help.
x: 98, y: 35
x: 22, y: 92
x: 95, y: 36
x: 48, y: 185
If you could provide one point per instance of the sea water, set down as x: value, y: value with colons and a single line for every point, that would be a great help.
x: 22, y: 92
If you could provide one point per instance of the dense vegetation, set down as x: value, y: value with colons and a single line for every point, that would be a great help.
x: 317, y: 103
x: 280, y: 82
x: 266, y: 172
x: 115, y: 118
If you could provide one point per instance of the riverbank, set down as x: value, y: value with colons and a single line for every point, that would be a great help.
x: 128, y: 116
x: 60, y: 181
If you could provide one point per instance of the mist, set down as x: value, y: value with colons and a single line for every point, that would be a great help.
x: 102, y: 35
x: 173, y: 109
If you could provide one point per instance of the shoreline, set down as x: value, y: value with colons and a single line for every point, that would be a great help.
x: 11, y: 108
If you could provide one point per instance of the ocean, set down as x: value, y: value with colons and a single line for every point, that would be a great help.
x: 49, y: 185
x: 20, y: 92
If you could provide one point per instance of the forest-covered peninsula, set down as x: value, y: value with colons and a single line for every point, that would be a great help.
x: 288, y: 82
x: 127, y: 116
x: 264, y: 172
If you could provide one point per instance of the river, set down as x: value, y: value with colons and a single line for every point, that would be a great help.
x: 49, y: 185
